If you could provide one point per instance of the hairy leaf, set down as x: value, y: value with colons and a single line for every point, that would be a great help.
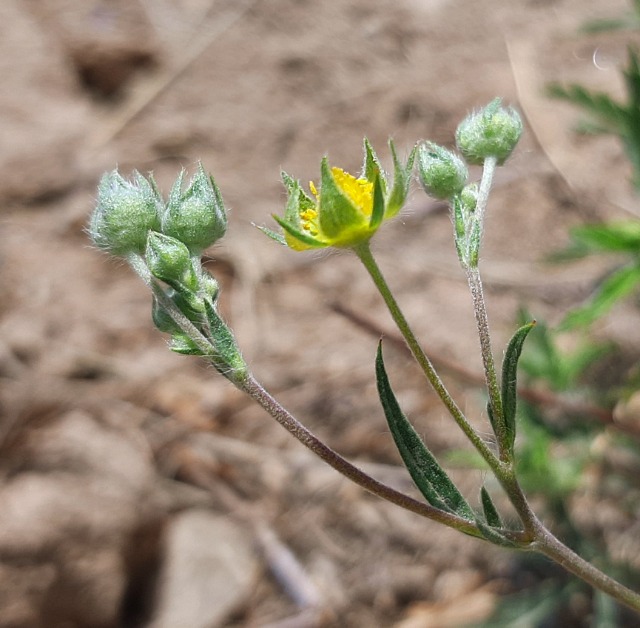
x: 425, y: 470
x: 490, y: 511
x: 510, y: 383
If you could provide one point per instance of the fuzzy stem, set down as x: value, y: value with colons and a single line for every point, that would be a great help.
x: 491, y: 379
x: 551, y: 547
x: 253, y: 388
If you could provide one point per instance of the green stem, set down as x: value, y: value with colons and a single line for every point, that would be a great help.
x: 253, y: 388
x: 363, y: 251
x: 480, y: 311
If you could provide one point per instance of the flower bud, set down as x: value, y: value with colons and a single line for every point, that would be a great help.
x: 197, y: 216
x: 491, y: 132
x: 442, y: 173
x: 169, y: 260
x: 469, y: 196
x: 125, y: 212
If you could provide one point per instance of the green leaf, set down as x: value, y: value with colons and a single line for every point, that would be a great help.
x: 618, y: 285
x: 182, y: 344
x: 490, y: 511
x: 427, y: 474
x: 493, y: 535
x: 597, y: 104
x: 618, y: 236
x: 227, y: 357
x: 510, y: 383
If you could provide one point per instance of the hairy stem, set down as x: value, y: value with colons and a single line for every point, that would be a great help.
x: 491, y: 378
x: 253, y: 388
x: 551, y: 547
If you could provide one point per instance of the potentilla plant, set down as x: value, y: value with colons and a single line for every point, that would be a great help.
x: 163, y: 242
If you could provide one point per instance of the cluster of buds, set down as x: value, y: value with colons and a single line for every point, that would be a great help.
x: 163, y: 242
x: 486, y: 136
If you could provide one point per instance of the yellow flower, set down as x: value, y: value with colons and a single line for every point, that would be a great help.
x: 344, y: 210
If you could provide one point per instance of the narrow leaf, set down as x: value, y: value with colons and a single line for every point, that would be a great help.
x: 490, y: 511
x: 427, y: 474
x: 615, y: 236
x: 493, y: 535
x: 227, y: 359
x: 619, y: 284
x: 182, y: 344
x: 510, y: 382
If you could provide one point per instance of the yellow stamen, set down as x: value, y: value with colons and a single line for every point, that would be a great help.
x: 308, y: 219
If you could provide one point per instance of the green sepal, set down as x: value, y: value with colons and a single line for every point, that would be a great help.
x: 227, y: 358
x: 162, y: 320
x: 189, y: 304
x: 473, y: 244
x: 298, y: 234
x: 377, y: 214
x: 338, y: 214
x: 182, y: 344
x: 510, y: 384
x: 303, y: 201
x: 401, y: 181
x: 278, y: 237
x: 491, y: 513
x: 428, y: 475
x: 459, y: 224
x: 169, y: 260
x: 372, y: 167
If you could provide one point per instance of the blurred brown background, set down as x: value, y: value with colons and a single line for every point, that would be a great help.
x: 138, y: 488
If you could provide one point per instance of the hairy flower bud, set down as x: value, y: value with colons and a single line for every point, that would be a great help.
x: 124, y: 214
x: 493, y: 131
x: 169, y: 260
x: 197, y: 216
x: 442, y: 173
x: 469, y: 196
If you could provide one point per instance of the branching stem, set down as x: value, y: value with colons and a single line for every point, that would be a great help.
x: 253, y: 388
